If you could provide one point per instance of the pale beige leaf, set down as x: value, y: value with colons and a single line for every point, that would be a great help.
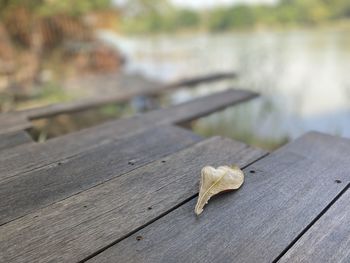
x: 214, y: 181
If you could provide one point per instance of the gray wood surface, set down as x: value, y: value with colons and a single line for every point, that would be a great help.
x: 328, y: 240
x: 13, y: 139
x: 192, y: 81
x: 121, y: 95
x: 75, y: 228
x: 129, y: 87
x: 35, y: 156
x: 52, y: 183
x: 13, y: 122
x: 285, y: 192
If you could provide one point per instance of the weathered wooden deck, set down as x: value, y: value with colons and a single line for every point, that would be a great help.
x: 125, y: 191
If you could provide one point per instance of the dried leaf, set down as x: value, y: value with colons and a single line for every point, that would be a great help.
x: 214, y: 181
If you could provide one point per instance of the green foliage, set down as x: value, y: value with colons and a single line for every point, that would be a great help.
x: 52, y: 92
x: 154, y: 17
x: 52, y: 7
x: 76, y: 7
x: 340, y: 8
x: 142, y: 16
x: 306, y: 12
x: 157, y: 16
x: 186, y: 18
x: 238, y: 16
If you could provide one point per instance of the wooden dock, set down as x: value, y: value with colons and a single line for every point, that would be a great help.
x: 125, y: 191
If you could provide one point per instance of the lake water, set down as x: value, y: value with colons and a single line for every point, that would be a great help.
x: 303, y: 77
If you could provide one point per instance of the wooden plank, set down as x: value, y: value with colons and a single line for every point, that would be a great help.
x: 328, y: 240
x: 13, y: 122
x: 29, y: 158
x: 74, y: 228
x: 280, y: 197
x: 201, y: 106
x: 53, y: 183
x: 13, y: 139
x: 75, y: 106
x: 121, y: 95
x: 202, y: 79
x: 109, y: 83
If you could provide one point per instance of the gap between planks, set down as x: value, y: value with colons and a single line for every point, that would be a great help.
x: 288, y: 190
x: 15, y: 162
x: 50, y: 184
x: 62, y: 231
x: 158, y: 217
x: 286, y: 254
x: 122, y: 96
x: 20, y: 120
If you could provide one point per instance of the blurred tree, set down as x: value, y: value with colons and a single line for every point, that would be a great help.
x: 156, y: 16
x: 236, y: 16
x: 313, y: 11
x: 219, y: 20
x: 136, y: 8
x: 186, y: 18
x: 52, y: 7
x: 242, y: 16
x: 340, y: 8
x: 34, y: 28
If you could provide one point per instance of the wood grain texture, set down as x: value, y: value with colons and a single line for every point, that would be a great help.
x: 13, y: 139
x: 286, y: 191
x: 35, y: 156
x: 328, y: 240
x: 52, y: 183
x: 74, y: 228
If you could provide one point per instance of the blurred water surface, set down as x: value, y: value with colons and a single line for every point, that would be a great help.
x: 302, y: 75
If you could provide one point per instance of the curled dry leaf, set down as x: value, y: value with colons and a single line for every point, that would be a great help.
x: 214, y: 181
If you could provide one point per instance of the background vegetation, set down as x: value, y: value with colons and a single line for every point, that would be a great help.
x: 49, y: 8
x: 45, y: 41
x: 154, y: 16
x: 149, y: 16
